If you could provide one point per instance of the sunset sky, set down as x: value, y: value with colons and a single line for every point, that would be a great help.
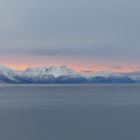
x: 87, y: 35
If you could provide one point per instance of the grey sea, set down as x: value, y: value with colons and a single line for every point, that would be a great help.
x: 70, y: 112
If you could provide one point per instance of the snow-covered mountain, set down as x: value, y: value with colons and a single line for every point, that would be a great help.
x: 64, y: 74
x: 51, y: 71
x: 107, y: 77
x: 8, y: 75
x: 134, y: 75
x: 106, y: 73
x: 53, y: 74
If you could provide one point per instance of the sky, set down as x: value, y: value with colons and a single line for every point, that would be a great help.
x: 87, y: 35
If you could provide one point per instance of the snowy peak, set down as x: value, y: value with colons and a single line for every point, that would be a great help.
x: 64, y: 74
x: 53, y: 71
x: 62, y: 71
x: 33, y: 72
x: 106, y: 73
x: 8, y: 73
x: 134, y: 75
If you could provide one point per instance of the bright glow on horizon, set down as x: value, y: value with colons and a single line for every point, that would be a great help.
x: 84, y: 35
x: 79, y: 69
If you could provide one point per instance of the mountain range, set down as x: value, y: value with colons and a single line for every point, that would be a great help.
x: 64, y: 74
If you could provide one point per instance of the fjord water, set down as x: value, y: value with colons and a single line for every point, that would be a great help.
x: 70, y: 112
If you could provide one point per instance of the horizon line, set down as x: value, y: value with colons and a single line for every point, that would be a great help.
x: 102, y: 68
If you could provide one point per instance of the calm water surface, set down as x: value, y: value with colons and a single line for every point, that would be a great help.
x: 70, y: 112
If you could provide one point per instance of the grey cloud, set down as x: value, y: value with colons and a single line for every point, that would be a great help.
x: 101, y: 30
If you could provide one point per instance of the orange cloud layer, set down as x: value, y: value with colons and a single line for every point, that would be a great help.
x: 76, y: 67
